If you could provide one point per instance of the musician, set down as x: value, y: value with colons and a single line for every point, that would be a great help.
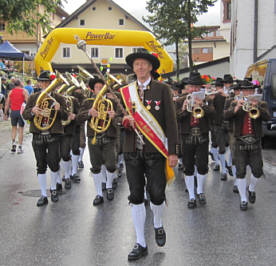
x: 46, y: 144
x: 103, y: 152
x: 70, y: 142
x: 195, y: 141
x: 247, y: 134
x: 219, y: 134
x: 142, y: 157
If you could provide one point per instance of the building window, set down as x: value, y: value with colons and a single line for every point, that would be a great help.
x: 119, y: 53
x: 121, y: 21
x: 226, y: 11
x: 217, y: 33
x: 2, y: 27
x: 94, y: 52
x: 196, y: 50
x: 82, y: 22
x: 138, y: 50
x: 210, y: 34
x: 207, y: 50
x: 109, y: 8
x: 66, y: 52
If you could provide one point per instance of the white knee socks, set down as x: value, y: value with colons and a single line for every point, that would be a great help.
x: 190, y: 184
x: 157, y: 214
x: 109, y: 179
x: 200, y: 183
x: 253, y: 183
x: 241, y: 183
x: 67, y: 168
x: 98, y: 183
x: 54, y: 178
x: 75, y: 159
x: 139, y: 217
x: 214, y: 151
x: 81, y: 154
x: 42, y: 178
x: 222, y: 162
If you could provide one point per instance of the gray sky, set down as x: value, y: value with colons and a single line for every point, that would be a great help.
x: 137, y: 8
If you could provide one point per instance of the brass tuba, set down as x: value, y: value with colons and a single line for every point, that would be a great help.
x: 46, y: 102
x: 102, y: 122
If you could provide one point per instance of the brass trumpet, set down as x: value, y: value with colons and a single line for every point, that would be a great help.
x: 46, y: 102
x: 253, y: 112
x: 197, y: 111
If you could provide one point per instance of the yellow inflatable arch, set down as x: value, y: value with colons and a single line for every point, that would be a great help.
x: 100, y: 37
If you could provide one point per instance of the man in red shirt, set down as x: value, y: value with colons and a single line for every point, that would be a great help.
x: 16, y: 97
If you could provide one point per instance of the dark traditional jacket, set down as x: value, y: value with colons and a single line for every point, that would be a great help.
x: 70, y: 128
x: 62, y: 114
x: 160, y: 94
x: 84, y: 116
x: 219, y: 102
x: 184, y: 118
x: 238, y: 119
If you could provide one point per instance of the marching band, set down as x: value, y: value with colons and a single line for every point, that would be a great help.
x: 152, y: 127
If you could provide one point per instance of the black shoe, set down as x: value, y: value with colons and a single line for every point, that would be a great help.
x: 103, y: 186
x: 54, y: 195
x: 202, y: 199
x: 229, y: 168
x: 42, y: 201
x: 243, y: 205
x: 75, y: 178
x: 110, y: 194
x: 67, y: 183
x: 13, y: 149
x: 212, y: 156
x: 191, y: 204
x: 137, y: 252
x: 235, y: 189
x: 80, y: 164
x: 59, y: 188
x: 223, y: 177
x: 160, y: 236
x: 114, y: 183
x: 216, y: 167
x: 98, y: 200
x: 251, y: 196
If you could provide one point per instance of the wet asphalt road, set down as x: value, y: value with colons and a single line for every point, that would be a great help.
x: 73, y: 232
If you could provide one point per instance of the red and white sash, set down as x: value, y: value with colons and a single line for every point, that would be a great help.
x: 145, y: 121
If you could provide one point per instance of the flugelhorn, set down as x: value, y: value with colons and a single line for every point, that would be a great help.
x: 46, y: 103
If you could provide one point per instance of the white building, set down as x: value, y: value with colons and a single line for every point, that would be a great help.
x: 253, y: 33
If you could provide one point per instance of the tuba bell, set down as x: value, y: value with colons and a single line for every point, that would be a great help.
x: 46, y: 102
x: 103, y: 105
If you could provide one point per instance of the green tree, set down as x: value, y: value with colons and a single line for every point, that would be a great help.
x: 171, y: 22
x: 24, y: 15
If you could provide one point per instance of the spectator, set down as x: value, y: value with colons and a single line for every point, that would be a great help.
x: 4, y: 86
x: 2, y: 65
x: 10, y: 85
x: 29, y: 87
x: 16, y: 97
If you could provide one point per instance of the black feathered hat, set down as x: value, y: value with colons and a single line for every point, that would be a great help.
x: 144, y: 55
x: 92, y: 82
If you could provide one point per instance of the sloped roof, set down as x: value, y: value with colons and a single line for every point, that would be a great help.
x: 87, y: 4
